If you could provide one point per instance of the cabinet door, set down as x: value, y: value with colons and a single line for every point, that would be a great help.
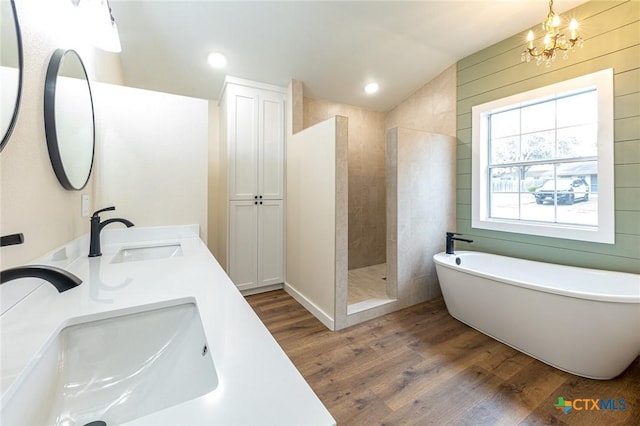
x: 271, y: 242
x: 271, y: 146
x: 242, y: 127
x: 243, y: 243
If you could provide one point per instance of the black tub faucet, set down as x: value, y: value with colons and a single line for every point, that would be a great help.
x: 96, y: 227
x: 62, y: 280
x: 451, y: 238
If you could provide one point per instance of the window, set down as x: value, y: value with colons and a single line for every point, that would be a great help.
x: 543, y: 161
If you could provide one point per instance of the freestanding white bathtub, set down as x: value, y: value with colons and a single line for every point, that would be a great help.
x: 583, y: 321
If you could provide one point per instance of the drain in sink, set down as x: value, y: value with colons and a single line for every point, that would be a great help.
x: 96, y: 423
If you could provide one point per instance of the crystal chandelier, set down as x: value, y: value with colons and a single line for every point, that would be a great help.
x: 553, y: 40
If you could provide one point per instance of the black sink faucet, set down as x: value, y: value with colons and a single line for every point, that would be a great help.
x: 451, y: 238
x: 96, y: 227
x: 59, y: 278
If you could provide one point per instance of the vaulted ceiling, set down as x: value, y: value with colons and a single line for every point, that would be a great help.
x: 335, y: 48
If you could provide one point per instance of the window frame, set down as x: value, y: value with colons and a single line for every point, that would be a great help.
x: 604, y: 232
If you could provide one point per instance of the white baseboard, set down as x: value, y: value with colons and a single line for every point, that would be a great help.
x: 310, y: 306
x: 257, y: 290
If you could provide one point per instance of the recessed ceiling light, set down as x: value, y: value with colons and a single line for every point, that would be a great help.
x: 217, y: 60
x: 371, y: 88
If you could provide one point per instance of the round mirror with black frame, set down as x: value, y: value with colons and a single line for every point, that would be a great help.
x: 10, y: 69
x: 68, y: 119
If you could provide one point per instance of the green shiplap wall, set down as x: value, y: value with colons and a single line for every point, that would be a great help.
x: 611, y: 33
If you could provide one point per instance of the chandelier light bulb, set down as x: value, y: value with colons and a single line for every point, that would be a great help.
x: 573, y: 26
x: 530, y: 38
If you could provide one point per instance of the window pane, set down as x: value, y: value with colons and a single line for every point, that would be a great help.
x: 505, y: 123
x: 578, y: 109
x: 531, y: 207
x: 578, y: 141
x: 539, y: 117
x: 505, y: 150
x: 504, y: 206
x: 505, y: 192
x: 538, y: 146
x: 571, y: 193
x: 577, y: 203
x: 580, y: 170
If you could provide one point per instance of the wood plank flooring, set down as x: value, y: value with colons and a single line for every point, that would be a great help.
x: 420, y: 366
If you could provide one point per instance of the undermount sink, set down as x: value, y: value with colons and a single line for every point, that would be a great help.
x: 137, y: 254
x: 114, y: 369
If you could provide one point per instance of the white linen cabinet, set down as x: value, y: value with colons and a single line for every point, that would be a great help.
x: 252, y: 117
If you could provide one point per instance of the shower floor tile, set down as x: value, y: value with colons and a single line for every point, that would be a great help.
x: 368, y: 284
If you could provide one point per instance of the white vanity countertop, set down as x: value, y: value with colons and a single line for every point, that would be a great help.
x: 258, y: 384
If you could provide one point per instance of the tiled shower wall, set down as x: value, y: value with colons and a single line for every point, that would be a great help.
x: 367, y: 221
x: 432, y: 108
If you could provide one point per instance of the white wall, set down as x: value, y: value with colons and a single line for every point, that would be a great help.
x: 152, y: 156
x: 316, y: 217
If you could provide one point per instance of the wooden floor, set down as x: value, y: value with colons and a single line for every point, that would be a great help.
x: 421, y: 366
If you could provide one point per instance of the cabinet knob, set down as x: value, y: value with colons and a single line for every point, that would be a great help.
x: 255, y: 197
x: 261, y: 197
x: 260, y: 202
